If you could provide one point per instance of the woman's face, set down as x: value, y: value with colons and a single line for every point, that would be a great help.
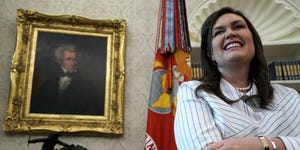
x: 232, y: 41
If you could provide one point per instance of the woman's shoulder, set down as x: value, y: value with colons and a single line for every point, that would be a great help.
x: 188, y: 88
x: 278, y: 88
x: 284, y: 93
x: 192, y: 84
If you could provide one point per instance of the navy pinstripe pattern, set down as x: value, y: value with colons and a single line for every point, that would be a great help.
x: 200, y: 121
x: 169, y: 26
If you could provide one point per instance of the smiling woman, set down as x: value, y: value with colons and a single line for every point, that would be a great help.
x: 232, y: 44
x: 234, y: 105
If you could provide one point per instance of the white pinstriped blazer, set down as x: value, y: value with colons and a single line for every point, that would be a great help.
x: 199, y: 121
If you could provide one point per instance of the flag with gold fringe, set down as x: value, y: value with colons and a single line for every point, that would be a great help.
x: 171, y: 68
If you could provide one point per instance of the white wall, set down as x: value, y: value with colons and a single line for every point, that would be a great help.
x: 141, y: 17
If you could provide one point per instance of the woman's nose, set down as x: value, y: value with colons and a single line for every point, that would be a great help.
x: 230, y: 34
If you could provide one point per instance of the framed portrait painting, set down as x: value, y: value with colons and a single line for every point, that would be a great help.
x: 67, y: 75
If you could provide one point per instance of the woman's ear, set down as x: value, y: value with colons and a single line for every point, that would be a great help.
x: 209, y: 54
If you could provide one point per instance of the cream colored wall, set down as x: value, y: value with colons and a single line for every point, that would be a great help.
x: 141, y: 17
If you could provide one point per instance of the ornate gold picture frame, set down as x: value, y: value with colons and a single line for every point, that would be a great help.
x: 99, y: 60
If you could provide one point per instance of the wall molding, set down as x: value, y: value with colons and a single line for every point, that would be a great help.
x: 277, y: 21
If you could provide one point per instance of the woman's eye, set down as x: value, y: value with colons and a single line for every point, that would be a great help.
x: 216, y: 33
x: 239, y: 26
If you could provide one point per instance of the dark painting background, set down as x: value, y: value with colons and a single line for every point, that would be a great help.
x: 91, y: 63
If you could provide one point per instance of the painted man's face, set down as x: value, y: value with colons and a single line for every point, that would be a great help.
x: 69, y: 61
